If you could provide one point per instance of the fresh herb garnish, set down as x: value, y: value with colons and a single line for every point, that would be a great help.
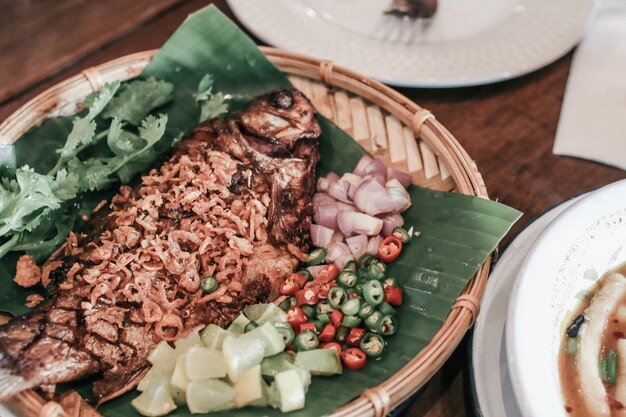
x: 111, y: 141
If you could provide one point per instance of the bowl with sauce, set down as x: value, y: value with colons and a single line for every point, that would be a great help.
x: 566, y: 323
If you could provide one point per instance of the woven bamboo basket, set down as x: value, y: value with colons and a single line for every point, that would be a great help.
x: 390, y: 126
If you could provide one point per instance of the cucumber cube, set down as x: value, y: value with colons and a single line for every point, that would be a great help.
x: 203, y: 363
x: 207, y: 395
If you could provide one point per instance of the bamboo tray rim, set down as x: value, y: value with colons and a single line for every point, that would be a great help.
x: 374, y: 402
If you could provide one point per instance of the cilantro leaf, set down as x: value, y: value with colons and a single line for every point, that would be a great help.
x: 66, y: 185
x: 211, y: 105
x: 23, y: 199
x: 138, y: 98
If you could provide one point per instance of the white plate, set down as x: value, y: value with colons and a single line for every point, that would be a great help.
x: 467, y: 42
x: 581, y: 244
x: 493, y: 392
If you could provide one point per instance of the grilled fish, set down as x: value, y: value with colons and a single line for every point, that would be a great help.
x: 232, y: 201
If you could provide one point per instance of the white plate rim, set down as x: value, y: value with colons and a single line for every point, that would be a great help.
x: 272, y: 23
x: 529, y: 406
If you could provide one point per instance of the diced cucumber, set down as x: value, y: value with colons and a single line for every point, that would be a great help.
x: 187, y: 342
x: 265, y: 313
x: 207, y: 395
x: 163, y: 357
x: 155, y: 400
x: 282, y: 361
x: 213, y: 336
x: 179, y: 379
x: 319, y: 361
x: 242, y: 353
x: 154, y: 375
x: 203, y: 363
x: 249, y: 387
x: 290, y: 390
x: 274, y: 342
x: 239, y: 324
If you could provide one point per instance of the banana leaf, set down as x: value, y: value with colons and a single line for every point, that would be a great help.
x: 457, y: 232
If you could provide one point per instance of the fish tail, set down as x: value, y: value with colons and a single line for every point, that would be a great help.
x: 11, y: 381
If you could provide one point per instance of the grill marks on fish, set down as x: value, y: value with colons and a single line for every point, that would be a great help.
x: 233, y: 200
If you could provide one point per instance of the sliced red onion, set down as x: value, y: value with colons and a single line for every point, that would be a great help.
x: 373, y: 244
x: 380, y: 178
x: 326, y: 215
x: 338, y: 236
x: 314, y: 270
x: 343, y: 260
x: 345, y: 206
x: 357, y: 245
x: 399, y: 195
x: 375, y: 167
x: 363, y: 162
x: 373, y: 199
x: 352, y: 191
x: 322, y: 184
x: 320, y: 199
x: 404, y: 178
x: 351, y: 178
x: 353, y: 223
x: 336, y: 250
x: 339, y: 190
x: 390, y: 222
x: 332, y: 177
x: 321, y: 236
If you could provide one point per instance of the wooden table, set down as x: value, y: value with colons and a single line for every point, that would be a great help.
x: 508, y: 127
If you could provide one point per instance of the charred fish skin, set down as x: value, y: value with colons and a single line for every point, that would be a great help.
x: 233, y: 200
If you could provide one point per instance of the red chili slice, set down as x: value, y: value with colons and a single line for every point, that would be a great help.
x: 296, y: 317
x: 332, y: 345
x: 390, y: 249
x: 328, y: 333
x: 324, y: 288
x: 355, y: 336
x: 353, y: 358
x: 335, y: 318
x: 327, y: 274
x: 307, y: 326
x: 307, y: 296
x: 393, y: 295
x: 289, y: 287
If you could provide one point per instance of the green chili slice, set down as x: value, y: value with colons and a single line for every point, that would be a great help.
x: 337, y: 296
x: 372, y: 344
x: 364, y: 260
x: 306, y: 340
x: 373, y: 292
x: 374, y: 271
x: 372, y: 320
x: 286, y: 332
x: 386, y: 325
x: 323, y: 307
x: 386, y: 308
x: 323, y: 317
x: 250, y: 326
x: 342, y: 334
x: 351, y: 307
x: 358, y: 287
x: 316, y: 257
x: 285, y: 304
x: 366, y: 310
x: 308, y: 311
x: 401, y: 234
x: 350, y: 321
x: 347, y: 279
x: 350, y: 266
x: 305, y: 273
x: 208, y: 284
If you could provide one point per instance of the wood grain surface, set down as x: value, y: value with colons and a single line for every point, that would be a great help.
x: 508, y: 127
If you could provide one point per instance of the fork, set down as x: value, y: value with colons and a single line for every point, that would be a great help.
x: 412, y: 8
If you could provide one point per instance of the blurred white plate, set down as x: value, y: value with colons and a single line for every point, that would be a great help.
x: 465, y: 43
x: 581, y: 244
x: 491, y: 382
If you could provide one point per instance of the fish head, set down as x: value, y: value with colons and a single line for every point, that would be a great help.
x: 280, y: 118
